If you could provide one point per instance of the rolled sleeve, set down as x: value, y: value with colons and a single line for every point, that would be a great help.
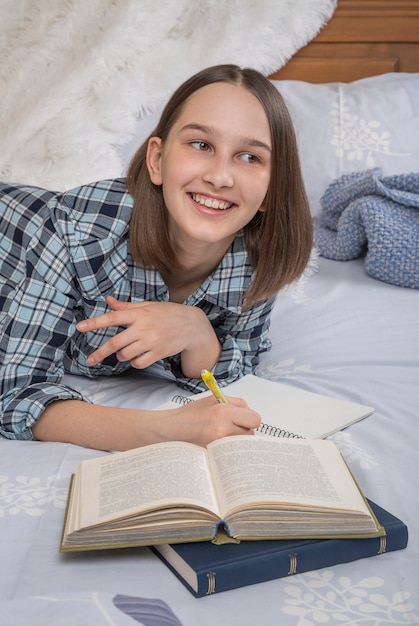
x: 25, y: 406
x: 243, y: 337
x: 37, y: 321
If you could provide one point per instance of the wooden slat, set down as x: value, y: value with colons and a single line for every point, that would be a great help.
x: 343, y: 69
x: 378, y: 28
x: 377, y: 7
x: 363, y: 38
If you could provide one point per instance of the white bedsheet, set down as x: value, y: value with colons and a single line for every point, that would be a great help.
x: 344, y: 334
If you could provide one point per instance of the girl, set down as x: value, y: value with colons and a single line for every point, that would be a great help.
x: 178, y: 263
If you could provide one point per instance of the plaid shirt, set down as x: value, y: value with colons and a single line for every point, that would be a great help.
x: 61, y: 254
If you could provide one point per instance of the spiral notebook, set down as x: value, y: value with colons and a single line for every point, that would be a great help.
x: 287, y: 411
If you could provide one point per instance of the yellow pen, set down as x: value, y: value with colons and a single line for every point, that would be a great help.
x: 212, y: 385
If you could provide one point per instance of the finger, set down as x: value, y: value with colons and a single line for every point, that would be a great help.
x: 234, y: 426
x: 143, y: 360
x: 249, y: 420
x: 113, y: 318
x: 130, y: 353
x: 236, y: 415
x: 124, y: 344
x: 115, y: 304
x: 244, y: 417
x: 237, y: 401
x: 118, y: 305
x: 243, y: 431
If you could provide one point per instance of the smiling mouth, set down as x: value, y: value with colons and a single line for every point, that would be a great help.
x: 211, y: 203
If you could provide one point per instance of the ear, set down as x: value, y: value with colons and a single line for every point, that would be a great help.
x: 153, y: 160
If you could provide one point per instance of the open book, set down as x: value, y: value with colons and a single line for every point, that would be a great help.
x: 287, y: 411
x: 241, y: 487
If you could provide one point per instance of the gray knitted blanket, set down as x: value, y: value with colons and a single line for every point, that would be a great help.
x: 366, y: 213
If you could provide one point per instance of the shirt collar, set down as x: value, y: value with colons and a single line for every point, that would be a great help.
x: 231, y: 279
x: 224, y: 288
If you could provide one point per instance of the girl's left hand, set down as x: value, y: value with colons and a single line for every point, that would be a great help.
x: 154, y: 330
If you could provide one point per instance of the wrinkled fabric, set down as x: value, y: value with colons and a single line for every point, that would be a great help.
x: 366, y: 213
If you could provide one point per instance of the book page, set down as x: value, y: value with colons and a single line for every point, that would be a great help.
x: 154, y: 476
x: 249, y: 469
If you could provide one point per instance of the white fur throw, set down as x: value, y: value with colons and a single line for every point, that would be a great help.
x: 75, y: 74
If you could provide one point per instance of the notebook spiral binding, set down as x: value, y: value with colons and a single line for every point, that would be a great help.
x: 181, y: 399
x: 275, y: 431
x: 265, y: 429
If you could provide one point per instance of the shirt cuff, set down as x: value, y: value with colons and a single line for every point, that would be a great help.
x: 28, y: 404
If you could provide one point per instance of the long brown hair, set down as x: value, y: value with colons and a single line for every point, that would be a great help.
x: 279, y: 240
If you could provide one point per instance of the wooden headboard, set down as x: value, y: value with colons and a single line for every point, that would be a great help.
x: 363, y: 38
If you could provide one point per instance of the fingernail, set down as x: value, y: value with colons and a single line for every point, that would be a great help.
x: 90, y: 360
x: 82, y: 326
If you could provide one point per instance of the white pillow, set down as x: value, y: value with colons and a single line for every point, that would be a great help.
x: 348, y: 127
x: 342, y: 128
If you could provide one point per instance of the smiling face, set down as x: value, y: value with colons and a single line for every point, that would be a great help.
x: 214, y: 166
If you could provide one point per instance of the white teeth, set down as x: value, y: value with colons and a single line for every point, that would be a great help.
x: 212, y: 203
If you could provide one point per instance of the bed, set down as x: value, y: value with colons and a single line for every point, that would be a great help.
x: 353, y: 93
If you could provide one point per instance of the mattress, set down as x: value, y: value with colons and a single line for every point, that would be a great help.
x: 339, y: 332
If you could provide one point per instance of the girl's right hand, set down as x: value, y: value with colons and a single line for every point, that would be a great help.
x: 204, y: 420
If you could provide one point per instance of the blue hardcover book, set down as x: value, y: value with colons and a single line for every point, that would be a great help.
x: 205, y: 568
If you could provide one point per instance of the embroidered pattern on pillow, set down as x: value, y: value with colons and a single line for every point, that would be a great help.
x: 357, y: 137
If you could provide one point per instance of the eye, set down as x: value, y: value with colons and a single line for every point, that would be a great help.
x: 250, y: 158
x: 202, y: 146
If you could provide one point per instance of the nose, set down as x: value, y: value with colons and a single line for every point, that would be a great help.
x: 219, y: 172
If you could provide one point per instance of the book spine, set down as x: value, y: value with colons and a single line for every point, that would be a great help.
x: 307, y: 556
